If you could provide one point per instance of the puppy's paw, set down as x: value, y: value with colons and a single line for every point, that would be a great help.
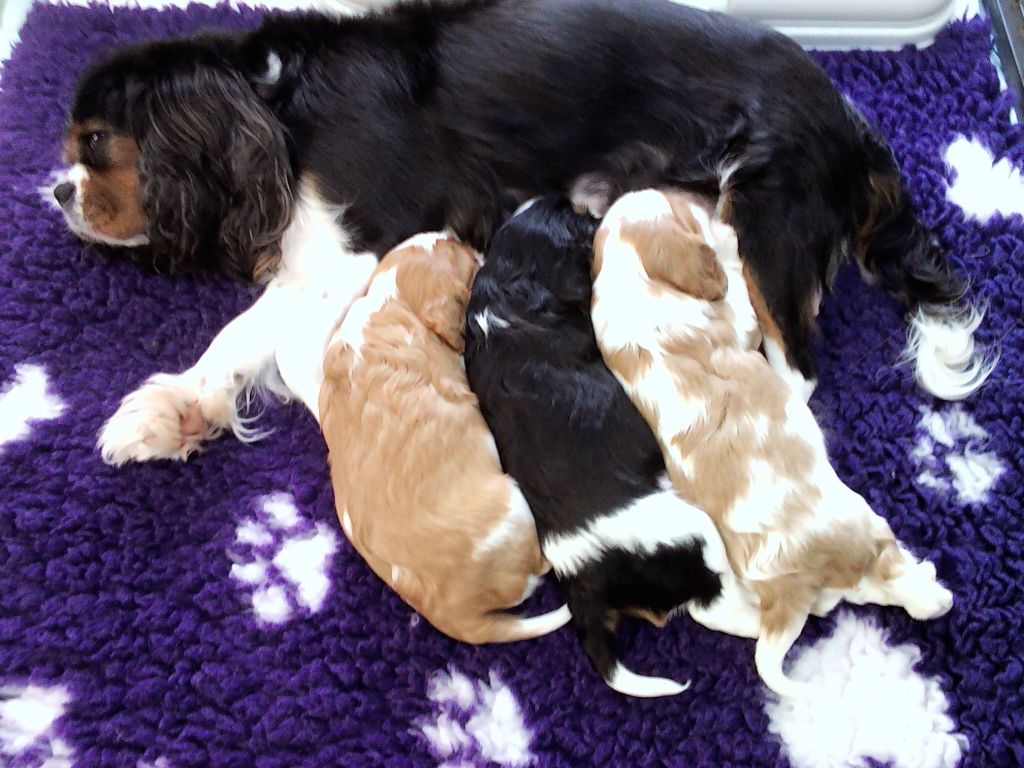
x: 926, y: 597
x: 162, y: 419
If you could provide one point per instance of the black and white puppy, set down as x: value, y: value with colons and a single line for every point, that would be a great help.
x: 619, y: 539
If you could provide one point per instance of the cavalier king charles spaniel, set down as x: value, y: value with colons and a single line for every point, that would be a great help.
x: 314, y: 144
x: 738, y: 440
x: 619, y: 538
x: 417, y: 483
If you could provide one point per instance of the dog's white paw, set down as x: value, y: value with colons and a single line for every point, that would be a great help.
x: 926, y: 598
x: 162, y: 419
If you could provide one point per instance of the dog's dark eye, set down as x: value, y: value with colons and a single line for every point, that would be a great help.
x: 93, y: 139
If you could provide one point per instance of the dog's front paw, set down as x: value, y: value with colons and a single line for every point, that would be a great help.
x: 926, y: 597
x: 162, y: 419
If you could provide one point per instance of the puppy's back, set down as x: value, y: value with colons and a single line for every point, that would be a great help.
x: 545, y: 391
x: 419, y: 492
x: 587, y: 462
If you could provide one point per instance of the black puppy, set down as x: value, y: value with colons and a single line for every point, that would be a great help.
x: 619, y: 539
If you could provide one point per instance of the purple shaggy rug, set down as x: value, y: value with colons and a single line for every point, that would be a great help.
x: 212, y: 615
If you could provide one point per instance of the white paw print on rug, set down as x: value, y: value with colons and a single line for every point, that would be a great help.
x: 283, y: 559
x: 981, y: 186
x: 28, y: 716
x: 950, y: 454
x: 868, y: 703
x: 475, y: 723
x: 24, y: 400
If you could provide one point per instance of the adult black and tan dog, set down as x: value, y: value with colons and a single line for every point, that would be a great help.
x: 314, y: 139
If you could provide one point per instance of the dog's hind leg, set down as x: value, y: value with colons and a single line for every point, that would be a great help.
x: 899, y: 578
x: 734, y: 611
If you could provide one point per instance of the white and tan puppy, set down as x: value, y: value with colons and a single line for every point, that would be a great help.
x: 417, y: 482
x: 675, y: 324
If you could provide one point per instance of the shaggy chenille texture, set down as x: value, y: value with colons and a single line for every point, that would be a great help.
x: 212, y: 614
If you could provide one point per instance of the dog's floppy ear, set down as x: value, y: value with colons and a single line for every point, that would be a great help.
x: 685, y: 261
x: 215, y: 172
x: 435, y: 284
x: 445, y: 314
x: 678, y: 256
x: 338, y: 362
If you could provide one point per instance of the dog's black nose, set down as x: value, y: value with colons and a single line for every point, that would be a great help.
x: 64, y: 192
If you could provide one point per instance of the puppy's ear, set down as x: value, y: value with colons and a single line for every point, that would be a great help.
x: 215, y: 173
x: 435, y: 284
x: 683, y: 260
x: 446, y: 316
x: 337, y: 384
x: 455, y: 270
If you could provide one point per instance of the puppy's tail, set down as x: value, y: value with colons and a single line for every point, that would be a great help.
x: 774, y: 643
x: 501, y: 627
x: 898, y: 253
x: 594, y: 625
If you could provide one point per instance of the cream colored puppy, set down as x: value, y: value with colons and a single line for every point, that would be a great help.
x: 417, y: 482
x: 675, y: 324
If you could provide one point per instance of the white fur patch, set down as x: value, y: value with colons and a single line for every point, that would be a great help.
x: 510, y: 528
x: 425, y: 240
x: 981, y: 186
x: 486, y: 319
x: 475, y: 722
x: 25, y: 400
x: 623, y: 284
x: 764, y: 501
x: 865, y: 701
x: 950, y: 453
x: 273, y: 71
x: 777, y: 360
x: 27, y: 718
x: 631, y: 684
x: 383, y: 289
x: 657, y: 519
x: 320, y: 279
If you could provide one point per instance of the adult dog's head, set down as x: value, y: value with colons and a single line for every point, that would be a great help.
x: 170, y: 147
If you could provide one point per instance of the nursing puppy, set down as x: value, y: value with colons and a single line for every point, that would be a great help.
x: 619, y: 539
x: 417, y: 483
x: 676, y: 326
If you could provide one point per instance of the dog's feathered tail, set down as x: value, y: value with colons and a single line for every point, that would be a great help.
x: 902, y: 256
